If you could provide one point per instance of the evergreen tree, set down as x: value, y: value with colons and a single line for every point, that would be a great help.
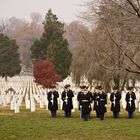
x: 9, y: 57
x: 53, y: 46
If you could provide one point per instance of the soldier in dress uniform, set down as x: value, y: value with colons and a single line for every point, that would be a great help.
x: 90, y: 98
x: 78, y: 99
x: 115, y: 98
x: 130, y: 102
x: 52, y: 101
x: 102, y: 102
x: 95, y: 98
x: 67, y: 96
x: 85, y: 106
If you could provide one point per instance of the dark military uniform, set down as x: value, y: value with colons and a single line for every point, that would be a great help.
x: 91, y: 100
x: 52, y: 102
x: 115, y: 103
x: 80, y: 104
x: 78, y: 98
x: 130, y: 103
x: 85, y: 100
x: 67, y: 102
x: 96, y: 103
x: 102, y: 101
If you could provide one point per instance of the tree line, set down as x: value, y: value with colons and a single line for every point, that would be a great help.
x: 102, y: 47
x: 107, y: 51
x: 36, y: 45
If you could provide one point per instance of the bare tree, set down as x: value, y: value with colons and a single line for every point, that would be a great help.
x: 24, y: 33
x: 112, y: 45
x: 2, y: 25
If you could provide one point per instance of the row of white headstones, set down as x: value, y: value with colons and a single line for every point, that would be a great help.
x: 29, y: 93
x: 26, y: 92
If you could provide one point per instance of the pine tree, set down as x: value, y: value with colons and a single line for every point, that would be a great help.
x: 53, y: 46
x: 9, y: 57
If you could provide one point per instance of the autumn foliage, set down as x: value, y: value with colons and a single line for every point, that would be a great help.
x: 45, y: 74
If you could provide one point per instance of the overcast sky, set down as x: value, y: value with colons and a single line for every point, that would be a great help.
x: 66, y: 10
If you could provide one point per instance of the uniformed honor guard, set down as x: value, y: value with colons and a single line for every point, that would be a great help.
x: 85, y: 106
x: 79, y: 99
x: 130, y: 102
x: 115, y: 98
x: 102, y: 101
x: 95, y: 98
x: 90, y: 98
x: 52, y: 101
x: 67, y: 96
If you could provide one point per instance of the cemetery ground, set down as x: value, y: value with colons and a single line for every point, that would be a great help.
x: 39, y: 126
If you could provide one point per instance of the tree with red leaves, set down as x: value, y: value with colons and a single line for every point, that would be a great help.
x: 45, y: 74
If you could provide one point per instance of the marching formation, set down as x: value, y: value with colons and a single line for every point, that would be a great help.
x: 62, y: 97
x: 99, y: 97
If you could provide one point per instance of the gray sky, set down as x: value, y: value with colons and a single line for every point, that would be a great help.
x: 66, y: 10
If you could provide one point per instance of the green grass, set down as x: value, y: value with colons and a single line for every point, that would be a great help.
x: 39, y: 126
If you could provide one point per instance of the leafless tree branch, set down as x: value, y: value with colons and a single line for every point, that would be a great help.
x: 132, y: 71
x: 136, y: 9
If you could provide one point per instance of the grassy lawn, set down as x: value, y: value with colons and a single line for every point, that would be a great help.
x: 39, y: 126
